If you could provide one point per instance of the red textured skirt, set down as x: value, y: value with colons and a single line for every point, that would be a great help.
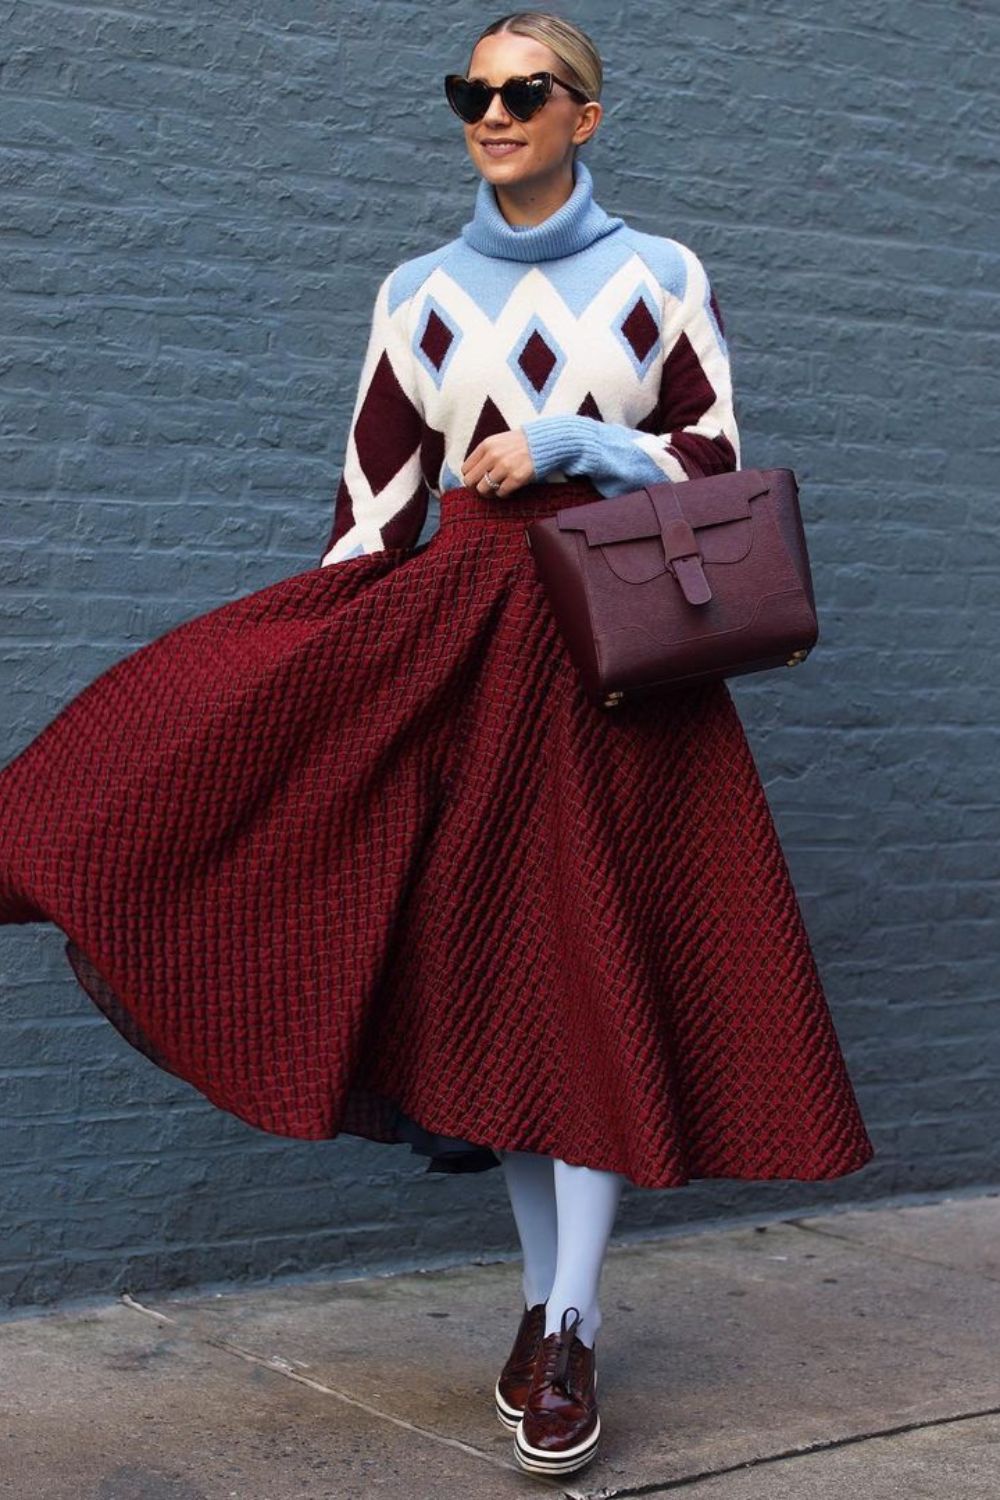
x: 354, y: 853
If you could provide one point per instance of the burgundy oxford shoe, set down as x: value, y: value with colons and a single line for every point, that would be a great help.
x: 561, y: 1427
x: 515, y: 1377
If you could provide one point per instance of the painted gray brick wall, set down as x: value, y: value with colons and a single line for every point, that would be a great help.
x: 197, y: 206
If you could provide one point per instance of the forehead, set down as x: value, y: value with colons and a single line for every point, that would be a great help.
x: 497, y: 57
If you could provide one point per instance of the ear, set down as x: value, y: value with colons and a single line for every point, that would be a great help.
x: 590, y: 118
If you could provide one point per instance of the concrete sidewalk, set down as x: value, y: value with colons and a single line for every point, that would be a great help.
x: 853, y: 1354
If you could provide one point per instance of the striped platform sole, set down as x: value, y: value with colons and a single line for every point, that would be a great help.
x: 543, y: 1461
x: 509, y: 1415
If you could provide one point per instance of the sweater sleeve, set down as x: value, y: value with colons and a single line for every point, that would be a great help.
x: 382, y: 498
x: 693, y: 429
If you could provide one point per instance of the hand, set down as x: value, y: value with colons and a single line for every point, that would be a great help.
x: 507, y: 457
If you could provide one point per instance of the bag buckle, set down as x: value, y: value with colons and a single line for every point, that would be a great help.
x: 681, y: 548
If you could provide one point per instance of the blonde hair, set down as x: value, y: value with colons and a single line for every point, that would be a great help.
x: 580, y: 59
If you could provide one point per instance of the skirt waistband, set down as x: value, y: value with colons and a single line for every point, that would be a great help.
x: 541, y: 498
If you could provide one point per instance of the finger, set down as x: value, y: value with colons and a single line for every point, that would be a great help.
x: 472, y: 473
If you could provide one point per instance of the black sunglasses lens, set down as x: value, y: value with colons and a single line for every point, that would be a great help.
x: 468, y: 100
x: 524, y: 96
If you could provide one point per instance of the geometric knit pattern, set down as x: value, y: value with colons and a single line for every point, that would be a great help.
x: 356, y: 846
x: 603, y: 343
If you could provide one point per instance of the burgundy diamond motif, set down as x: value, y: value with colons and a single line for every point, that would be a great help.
x: 536, y: 360
x: 640, y: 330
x: 437, y: 340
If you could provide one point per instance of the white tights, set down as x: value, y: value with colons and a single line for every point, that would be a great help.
x: 564, y: 1216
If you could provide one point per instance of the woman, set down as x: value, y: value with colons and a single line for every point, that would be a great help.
x: 355, y: 853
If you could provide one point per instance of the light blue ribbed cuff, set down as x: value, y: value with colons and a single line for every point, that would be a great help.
x: 555, y: 442
x: 610, y: 454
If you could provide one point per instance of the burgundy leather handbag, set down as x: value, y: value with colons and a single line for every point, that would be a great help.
x: 679, y: 583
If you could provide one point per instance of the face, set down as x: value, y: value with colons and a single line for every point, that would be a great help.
x: 545, y: 142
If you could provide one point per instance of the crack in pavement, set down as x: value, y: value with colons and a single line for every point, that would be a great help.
x: 281, y: 1366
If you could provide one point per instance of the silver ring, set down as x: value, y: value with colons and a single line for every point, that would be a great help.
x: 493, y: 483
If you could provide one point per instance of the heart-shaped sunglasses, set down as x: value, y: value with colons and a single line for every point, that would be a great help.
x: 470, y: 98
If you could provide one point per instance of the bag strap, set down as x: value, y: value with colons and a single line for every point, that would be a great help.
x: 680, y: 544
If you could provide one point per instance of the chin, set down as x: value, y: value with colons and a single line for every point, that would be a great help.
x: 495, y: 161
x: 503, y: 169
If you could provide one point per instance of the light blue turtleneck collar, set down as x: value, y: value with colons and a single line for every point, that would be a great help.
x: 572, y: 227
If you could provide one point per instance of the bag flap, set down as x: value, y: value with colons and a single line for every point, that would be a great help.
x: 717, y: 508
x: 703, y: 502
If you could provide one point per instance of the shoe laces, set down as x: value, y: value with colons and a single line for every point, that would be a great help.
x: 559, y: 1352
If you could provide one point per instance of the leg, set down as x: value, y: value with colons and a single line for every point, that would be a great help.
x: 531, y: 1189
x: 586, y: 1204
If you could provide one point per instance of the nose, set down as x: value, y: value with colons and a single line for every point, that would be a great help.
x: 497, y: 113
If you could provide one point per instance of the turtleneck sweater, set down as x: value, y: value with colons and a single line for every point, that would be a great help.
x: 602, y: 343
x: 579, y: 222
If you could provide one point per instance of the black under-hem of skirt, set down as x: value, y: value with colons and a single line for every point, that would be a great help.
x: 447, y: 1153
